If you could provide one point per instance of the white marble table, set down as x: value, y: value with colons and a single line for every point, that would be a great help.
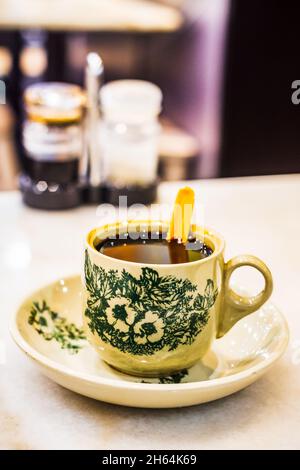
x: 258, y: 215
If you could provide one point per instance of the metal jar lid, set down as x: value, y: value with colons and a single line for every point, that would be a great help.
x: 54, y: 103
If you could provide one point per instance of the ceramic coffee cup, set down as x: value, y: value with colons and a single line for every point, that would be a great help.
x: 156, y: 319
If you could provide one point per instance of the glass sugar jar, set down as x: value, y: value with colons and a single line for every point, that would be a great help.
x: 53, y: 145
x: 129, y: 139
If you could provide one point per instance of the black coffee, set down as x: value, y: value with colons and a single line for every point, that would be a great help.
x: 147, y: 250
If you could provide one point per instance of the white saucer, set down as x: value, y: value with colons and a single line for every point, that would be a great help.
x: 235, y: 361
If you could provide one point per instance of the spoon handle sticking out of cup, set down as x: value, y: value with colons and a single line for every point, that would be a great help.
x: 180, y: 224
x: 182, y: 214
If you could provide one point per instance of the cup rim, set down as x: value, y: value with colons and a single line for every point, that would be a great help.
x: 210, y: 233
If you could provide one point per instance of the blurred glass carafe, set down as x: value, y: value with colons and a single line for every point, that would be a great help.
x: 52, y: 142
x: 129, y: 137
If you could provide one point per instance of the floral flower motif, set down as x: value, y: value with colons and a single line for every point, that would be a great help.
x: 52, y: 326
x: 120, y: 314
x: 144, y: 314
x: 150, y: 328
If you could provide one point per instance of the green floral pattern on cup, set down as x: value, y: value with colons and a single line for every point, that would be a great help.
x: 146, y: 314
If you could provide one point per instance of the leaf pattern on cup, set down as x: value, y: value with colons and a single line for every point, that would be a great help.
x: 145, y: 314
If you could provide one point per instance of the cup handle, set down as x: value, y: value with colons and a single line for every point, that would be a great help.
x: 237, y: 306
